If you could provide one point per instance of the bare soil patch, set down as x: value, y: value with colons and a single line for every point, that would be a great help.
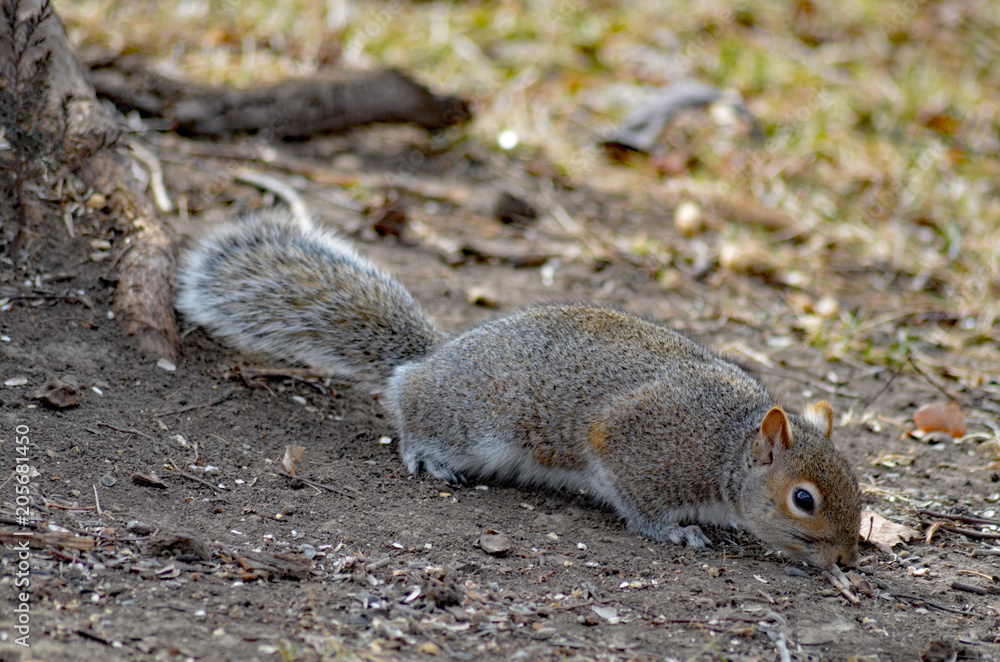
x: 390, y: 566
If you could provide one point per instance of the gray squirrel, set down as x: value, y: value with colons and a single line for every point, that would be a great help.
x: 563, y: 396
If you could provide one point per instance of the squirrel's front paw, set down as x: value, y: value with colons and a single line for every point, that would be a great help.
x: 692, y: 535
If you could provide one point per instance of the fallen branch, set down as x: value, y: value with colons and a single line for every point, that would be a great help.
x: 290, y: 109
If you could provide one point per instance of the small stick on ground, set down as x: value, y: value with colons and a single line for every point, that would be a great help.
x: 991, y: 578
x: 821, y: 385
x: 218, y: 401
x: 97, y: 501
x: 109, y: 274
x: 955, y: 397
x: 93, y: 637
x: 244, y: 375
x: 160, y: 196
x: 969, y: 588
x: 59, y: 507
x: 284, y: 191
x: 969, y: 533
x: 929, y: 603
x: 870, y: 401
x: 68, y: 222
x: 183, y: 473
x: 967, y: 519
x: 125, y: 431
x: 840, y: 582
x: 310, y: 483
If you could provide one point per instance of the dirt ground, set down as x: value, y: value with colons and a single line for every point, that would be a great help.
x: 245, y: 563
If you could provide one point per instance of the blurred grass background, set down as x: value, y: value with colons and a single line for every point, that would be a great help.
x: 877, y: 178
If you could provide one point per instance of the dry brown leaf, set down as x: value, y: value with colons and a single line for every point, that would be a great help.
x: 860, y: 583
x: 941, y: 417
x: 884, y: 534
x: 293, y: 454
x: 931, y: 531
x: 57, y: 394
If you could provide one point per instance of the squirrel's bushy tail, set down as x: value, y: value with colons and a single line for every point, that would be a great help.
x: 292, y: 291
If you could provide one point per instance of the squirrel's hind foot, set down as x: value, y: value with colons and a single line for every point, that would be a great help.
x: 417, y: 464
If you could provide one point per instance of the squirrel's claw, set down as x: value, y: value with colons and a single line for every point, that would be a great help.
x: 436, y: 469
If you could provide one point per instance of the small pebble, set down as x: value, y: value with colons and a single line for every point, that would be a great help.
x: 688, y: 219
x: 139, y: 528
x: 96, y: 201
x: 495, y: 543
x: 508, y: 139
x: 483, y: 297
x: 109, y: 481
x: 429, y: 648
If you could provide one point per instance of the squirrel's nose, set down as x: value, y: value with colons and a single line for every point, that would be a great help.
x: 848, y: 557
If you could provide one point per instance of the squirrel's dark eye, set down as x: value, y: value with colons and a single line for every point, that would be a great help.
x: 804, y: 500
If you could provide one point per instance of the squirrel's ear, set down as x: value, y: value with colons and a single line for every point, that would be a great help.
x: 820, y: 416
x: 775, y: 431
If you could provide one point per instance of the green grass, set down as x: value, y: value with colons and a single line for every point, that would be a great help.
x: 880, y: 123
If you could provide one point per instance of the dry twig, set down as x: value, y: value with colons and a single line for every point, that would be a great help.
x: 318, y: 486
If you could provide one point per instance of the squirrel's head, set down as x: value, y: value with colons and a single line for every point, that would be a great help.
x: 804, y: 497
